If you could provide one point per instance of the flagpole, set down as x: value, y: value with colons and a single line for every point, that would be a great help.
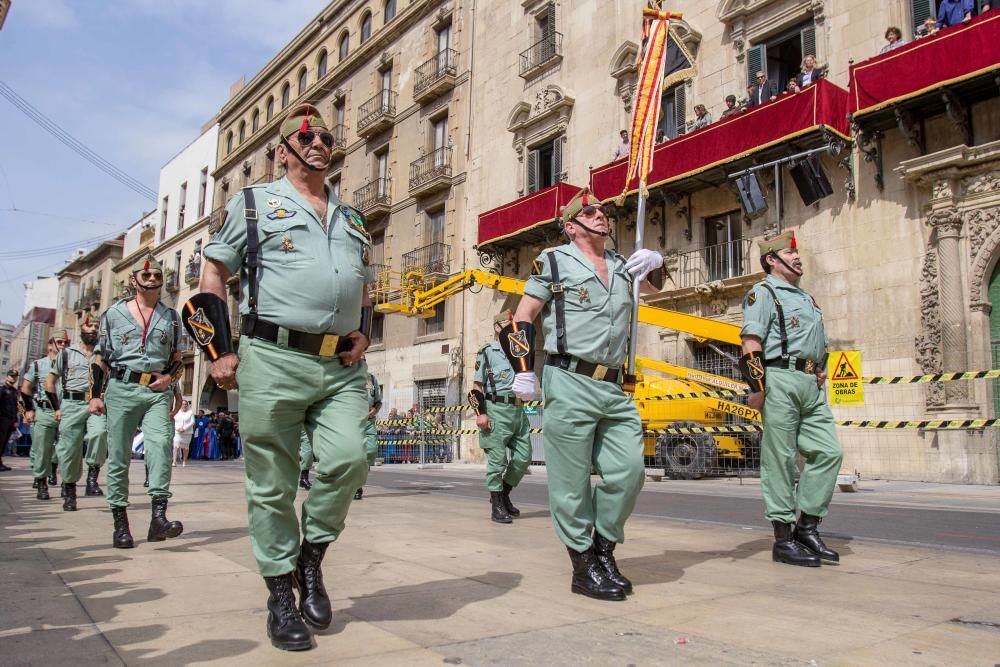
x: 640, y: 223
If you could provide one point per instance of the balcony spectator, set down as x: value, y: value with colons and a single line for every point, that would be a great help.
x: 985, y: 8
x: 702, y: 117
x: 928, y: 28
x: 731, y: 107
x: 661, y: 136
x: 792, y: 87
x: 953, y: 12
x: 893, y: 38
x: 762, y: 92
x: 622, y: 150
x: 810, y: 73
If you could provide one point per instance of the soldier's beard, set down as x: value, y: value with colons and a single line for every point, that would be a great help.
x: 89, y: 338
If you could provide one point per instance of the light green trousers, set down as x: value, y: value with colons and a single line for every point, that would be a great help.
x: 72, y: 430
x: 371, y: 442
x: 282, y: 391
x: 590, y: 423
x: 508, y: 431
x: 797, y: 419
x: 305, y: 452
x: 44, y: 433
x: 131, y: 406
x: 97, y: 440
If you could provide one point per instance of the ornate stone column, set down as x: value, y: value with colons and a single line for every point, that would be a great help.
x: 947, y: 224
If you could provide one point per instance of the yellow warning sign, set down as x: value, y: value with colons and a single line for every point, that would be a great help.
x: 844, y: 372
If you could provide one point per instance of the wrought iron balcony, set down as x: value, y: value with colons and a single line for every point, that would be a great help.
x: 377, y: 113
x: 339, y: 148
x: 435, y: 77
x: 375, y: 198
x: 711, y: 263
x: 431, y: 260
x: 192, y: 274
x: 541, y: 54
x: 172, y: 281
x: 431, y: 173
x: 216, y: 219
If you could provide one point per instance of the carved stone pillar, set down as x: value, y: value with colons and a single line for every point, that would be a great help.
x: 954, y: 344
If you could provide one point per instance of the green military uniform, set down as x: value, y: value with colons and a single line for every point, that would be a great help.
x: 509, y: 426
x: 796, y: 415
x: 371, y: 433
x: 588, y: 422
x: 131, y: 404
x: 45, y: 430
x: 305, y: 452
x: 76, y: 425
x: 311, y: 277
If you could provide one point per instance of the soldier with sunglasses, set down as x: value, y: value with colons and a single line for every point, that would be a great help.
x: 303, y: 259
x: 38, y: 414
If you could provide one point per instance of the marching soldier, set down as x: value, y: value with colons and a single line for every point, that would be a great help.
x: 138, y: 363
x: 303, y: 258
x: 38, y: 413
x: 71, y: 370
x: 784, y: 362
x: 371, y: 432
x: 502, y: 424
x: 305, y: 460
x: 588, y: 421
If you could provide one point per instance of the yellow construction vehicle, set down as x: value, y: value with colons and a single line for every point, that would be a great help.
x: 415, y: 293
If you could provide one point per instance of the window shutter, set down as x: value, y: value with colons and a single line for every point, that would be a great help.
x: 550, y: 23
x: 557, y: 159
x: 921, y: 10
x: 532, y: 171
x: 808, y: 36
x: 680, y: 108
x: 756, y: 57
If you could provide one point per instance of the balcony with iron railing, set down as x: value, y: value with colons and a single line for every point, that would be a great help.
x: 192, y: 274
x: 216, y: 219
x: 377, y: 114
x: 712, y: 263
x: 540, y: 55
x: 431, y: 172
x: 436, y: 76
x: 374, y: 199
x: 339, y: 147
x: 431, y: 260
x: 172, y: 281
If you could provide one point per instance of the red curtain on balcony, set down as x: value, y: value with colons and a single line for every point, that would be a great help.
x: 820, y: 105
x: 525, y: 214
x: 951, y: 55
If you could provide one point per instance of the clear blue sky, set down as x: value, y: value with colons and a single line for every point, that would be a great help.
x: 134, y: 80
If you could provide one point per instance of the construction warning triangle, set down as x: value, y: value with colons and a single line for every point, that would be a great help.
x: 844, y: 370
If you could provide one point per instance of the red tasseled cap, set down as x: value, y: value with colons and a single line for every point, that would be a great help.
x: 792, y: 245
x: 145, y: 265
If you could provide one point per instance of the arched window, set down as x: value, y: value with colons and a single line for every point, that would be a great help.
x: 390, y: 11
x: 285, y: 94
x: 303, y: 80
x: 342, y: 47
x: 229, y: 142
x: 243, y: 130
x: 366, y: 27
x: 270, y: 108
x: 321, y: 64
x: 255, y: 121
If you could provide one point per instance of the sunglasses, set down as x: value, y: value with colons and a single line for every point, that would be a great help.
x: 61, y: 343
x: 591, y: 210
x: 306, y: 138
x: 150, y: 275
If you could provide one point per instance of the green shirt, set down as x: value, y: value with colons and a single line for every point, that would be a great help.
x: 310, y: 279
x: 37, y: 372
x: 72, y: 366
x: 493, y: 371
x: 597, y: 317
x: 374, y: 391
x: 120, y: 341
x: 803, y: 320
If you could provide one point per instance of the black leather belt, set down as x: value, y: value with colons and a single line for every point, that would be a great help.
x: 45, y: 405
x: 505, y: 400
x: 591, y: 370
x: 323, y: 345
x: 75, y: 395
x: 125, y: 375
x: 804, y: 365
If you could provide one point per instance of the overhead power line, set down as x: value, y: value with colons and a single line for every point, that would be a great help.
x: 62, y: 248
x: 76, y: 146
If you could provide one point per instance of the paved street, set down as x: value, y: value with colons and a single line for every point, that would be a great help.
x: 422, y: 577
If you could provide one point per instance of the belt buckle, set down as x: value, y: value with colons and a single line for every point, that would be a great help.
x: 145, y: 379
x: 518, y: 402
x: 328, y: 347
x: 88, y: 395
x: 600, y: 372
x: 810, y: 366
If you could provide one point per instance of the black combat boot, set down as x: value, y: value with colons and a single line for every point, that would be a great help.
x: 69, y: 496
x: 359, y: 494
x: 509, y: 506
x: 500, y: 514
x: 34, y: 482
x: 52, y: 477
x: 145, y: 483
x: 807, y: 534
x: 604, y: 551
x: 160, y: 528
x: 304, y: 482
x: 92, y: 488
x: 787, y: 550
x: 314, y: 603
x: 589, y: 578
x: 285, y: 628
x: 122, y: 537
x: 43, y: 488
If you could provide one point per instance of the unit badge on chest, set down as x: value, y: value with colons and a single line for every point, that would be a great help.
x: 273, y: 203
x: 793, y: 322
x: 280, y: 214
x: 287, y: 245
x: 584, y: 295
x: 123, y: 339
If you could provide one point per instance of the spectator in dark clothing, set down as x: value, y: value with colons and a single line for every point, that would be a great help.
x: 953, y: 12
x: 227, y: 435
x: 894, y: 39
x: 10, y: 397
x: 762, y: 92
x: 809, y: 74
x: 731, y: 107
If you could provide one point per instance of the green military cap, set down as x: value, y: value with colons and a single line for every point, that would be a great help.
x: 583, y: 198
x: 503, y: 318
x: 146, y: 263
x: 776, y: 243
x: 301, y: 118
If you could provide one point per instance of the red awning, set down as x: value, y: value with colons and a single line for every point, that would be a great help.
x: 952, y: 55
x: 819, y: 106
x: 524, y: 220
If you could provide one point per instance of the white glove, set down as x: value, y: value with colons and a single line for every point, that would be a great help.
x: 526, y: 386
x: 642, y: 262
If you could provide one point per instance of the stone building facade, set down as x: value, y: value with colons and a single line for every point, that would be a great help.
x: 87, y: 286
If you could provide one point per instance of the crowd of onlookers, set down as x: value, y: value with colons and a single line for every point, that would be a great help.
x: 410, y: 438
